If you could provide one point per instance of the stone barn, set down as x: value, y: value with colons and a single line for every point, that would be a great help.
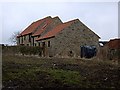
x: 37, y: 29
x: 66, y: 39
x: 59, y: 39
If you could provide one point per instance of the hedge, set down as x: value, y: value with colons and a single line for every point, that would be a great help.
x: 24, y: 50
x: 30, y: 50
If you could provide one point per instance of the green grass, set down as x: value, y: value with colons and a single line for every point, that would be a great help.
x: 66, y: 77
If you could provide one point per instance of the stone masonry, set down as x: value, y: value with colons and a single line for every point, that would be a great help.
x: 63, y: 39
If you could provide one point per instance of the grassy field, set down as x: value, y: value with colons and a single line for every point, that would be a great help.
x: 34, y: 72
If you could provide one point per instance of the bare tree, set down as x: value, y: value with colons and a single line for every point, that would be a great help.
x: 13, y: 38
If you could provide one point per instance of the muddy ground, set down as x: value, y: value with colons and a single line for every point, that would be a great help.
x: 33, y: 72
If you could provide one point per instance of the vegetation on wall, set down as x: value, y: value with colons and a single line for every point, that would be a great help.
x: 24, y: 50
x: 30, y: 50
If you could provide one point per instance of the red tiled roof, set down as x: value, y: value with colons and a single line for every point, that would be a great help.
x: 56, y: 30
x: 40, y: 30
x: 114, y: 43
x: 33, y: 26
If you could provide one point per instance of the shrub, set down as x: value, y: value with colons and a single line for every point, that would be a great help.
x: 10, y: 49
x: 24, y: 50
x: 30, y: 50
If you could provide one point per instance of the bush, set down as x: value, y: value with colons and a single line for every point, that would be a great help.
x: 10, y: 50
x: 30, y: 50
x: 24, y: 50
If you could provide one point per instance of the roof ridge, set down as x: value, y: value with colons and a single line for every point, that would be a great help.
x: 56, y: 17
x: 40, y: 30
x: 71, y: 21
x: 32, y: 26
x: 115, y: 39
x: 43, y: 19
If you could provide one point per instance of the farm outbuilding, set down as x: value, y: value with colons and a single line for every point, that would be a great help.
x: 111, y: 50
x: 60, y: 39
x: 114, y: 48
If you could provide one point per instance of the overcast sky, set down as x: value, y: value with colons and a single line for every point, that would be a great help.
x: 101, y: 17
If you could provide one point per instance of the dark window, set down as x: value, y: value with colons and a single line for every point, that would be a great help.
x: 39, y: 43
x: 33, y: 40
x: 19, y: 40
x: 70, y: 52
x: 48, y: 43
x: 29, y: 38
x: 43, y: 44
x: 22, y: 39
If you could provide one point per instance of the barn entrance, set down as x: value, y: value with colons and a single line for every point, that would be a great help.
x: 88, y: 51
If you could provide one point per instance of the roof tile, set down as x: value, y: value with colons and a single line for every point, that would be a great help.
x: 33, y: 26
x: 56, y: 30
x: 40, y: 30
x: 114, y: 43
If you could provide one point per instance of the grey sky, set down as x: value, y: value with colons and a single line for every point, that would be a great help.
x: 101, y: 17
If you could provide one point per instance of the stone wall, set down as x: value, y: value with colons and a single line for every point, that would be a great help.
x: 68, y: 41
x: 54, y: 23
x: 47, y: 50
x: 25, y: 40
x: 21, y: 40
